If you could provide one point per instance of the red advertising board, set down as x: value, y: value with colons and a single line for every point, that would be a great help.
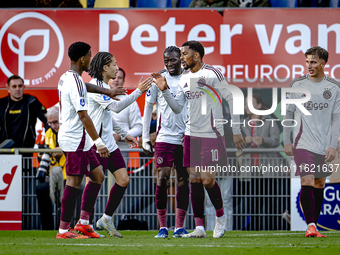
x: 252, y: 47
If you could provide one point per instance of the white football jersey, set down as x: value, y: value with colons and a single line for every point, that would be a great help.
x: 170, y: 126
x: 313, y: 132
x: 72, y: 99
x: 101, y: 115
x: 203, y: 100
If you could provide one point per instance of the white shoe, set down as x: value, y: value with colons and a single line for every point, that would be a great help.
x: 197, y: 233
x: 220, y: 223
x: 107, y: 225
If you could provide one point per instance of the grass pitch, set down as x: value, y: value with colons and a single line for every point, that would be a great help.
x: 143, y: 242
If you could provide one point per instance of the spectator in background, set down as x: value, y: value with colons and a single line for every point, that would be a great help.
x: 259, y: 136
x: 18, y: 115
x: 53, y: 163
x: 130, y: 118
x: 249, y: 3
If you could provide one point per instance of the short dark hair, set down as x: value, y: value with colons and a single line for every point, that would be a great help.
x: 121, y: 69
x: 318, y: 51
x: 78, y: 50
x: 196, y: 46
x: 14, y: 77
x: 172, y: 49
x: 96, y: 66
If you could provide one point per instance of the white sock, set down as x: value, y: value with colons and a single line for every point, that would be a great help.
x: 107, y: 216
x: 164, y: 228
x: 201, y: 228
x: 84, y: 222
x: 62, y: 231
x: 177, y: 229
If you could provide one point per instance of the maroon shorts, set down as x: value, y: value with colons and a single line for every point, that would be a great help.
x: 166, y: 154
x: 199, y: 151
x: 114, y: 162
x: 81, y: 162
x: 309, y: 163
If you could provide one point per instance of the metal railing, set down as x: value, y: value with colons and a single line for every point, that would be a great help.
x: 256, y: 202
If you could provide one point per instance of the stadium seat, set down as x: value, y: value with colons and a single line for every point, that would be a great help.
x: 111, y: 4
x: 334, y: 3
x: 184, y: 3
x: 283, y: 3
x: 154, y: 3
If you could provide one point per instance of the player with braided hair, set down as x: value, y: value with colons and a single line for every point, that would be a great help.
x: 103, y: 67
x: 168, y: 147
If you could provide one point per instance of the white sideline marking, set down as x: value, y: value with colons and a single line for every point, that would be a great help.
x: 166, y: 245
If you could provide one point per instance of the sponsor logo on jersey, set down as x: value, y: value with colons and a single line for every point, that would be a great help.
x: 330, y: 211
x: 327, y: 94
x: 82, y: 101
x: 315, y: 106
x: 194, y: 95
x: 106, y: 98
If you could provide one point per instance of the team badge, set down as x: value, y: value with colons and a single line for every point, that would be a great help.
x: 82, y: 101
x: 327, y: 94
x: 201, y: 82
x: 106, y: 98
x: 159, y: 160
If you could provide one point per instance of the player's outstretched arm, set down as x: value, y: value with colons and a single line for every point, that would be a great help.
x: 144, y: 85
x: 176, y: 104
x: 147, y: 146
x: 160, y: 81
x: 109, y: 92
x: 88, y: 124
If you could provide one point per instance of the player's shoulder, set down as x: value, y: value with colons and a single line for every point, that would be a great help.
x: 213, y: 71
x: 298, y: 81
x: 163, y: 72
x: 332, y: 81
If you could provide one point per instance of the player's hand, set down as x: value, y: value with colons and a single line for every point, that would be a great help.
x: 131, y: 141
x: 289, y: 149
x: 120, y: 90
x: 240, y: 144
x: 117, y: 137
x: 101, y: 147
x: 330, y: 155
x: 147, y: 147
x: 258, y: 140
x: 145, y: 85
x: 160, y: 81
x: 248, y: 139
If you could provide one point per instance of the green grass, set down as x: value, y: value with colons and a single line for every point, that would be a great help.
x: 143, y: 242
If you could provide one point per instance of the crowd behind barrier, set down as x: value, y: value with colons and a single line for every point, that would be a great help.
x: 138, y: 207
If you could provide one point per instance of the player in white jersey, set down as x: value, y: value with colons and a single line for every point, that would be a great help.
x: 315, y: 136
x: 200, y: 89
x: 79, y: 151
x: 168, y: 147
x: 103, y: 67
